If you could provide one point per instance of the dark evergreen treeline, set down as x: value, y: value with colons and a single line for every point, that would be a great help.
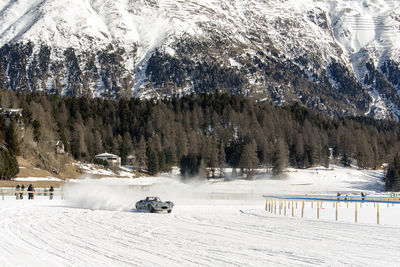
x: 9, y: 148
x: 210, y: 130
x: 393, y: 174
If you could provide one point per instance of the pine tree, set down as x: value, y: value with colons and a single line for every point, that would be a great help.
x: 268, y: 154
x: 141, y: 153
x: 12, y: 139
x: 299, y: 151
x: 190, y: 166
x: 8, y: 164
x: 98, y: 143
x: 36, y: 131
x: 326, y: 156
x: 212, y: 155
x: 393, y: 174
x: 281, y: 155
x: 78, y: 142
x: 125, y: 147
x: 153, y: 166
x: 162, y: 162
x: 221, y: 159
x: 362, y: 150
x: 249, y: 159
x: 346, y: 160
x: 193, y: 143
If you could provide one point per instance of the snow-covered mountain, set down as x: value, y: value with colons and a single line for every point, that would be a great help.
x: 336, y: 56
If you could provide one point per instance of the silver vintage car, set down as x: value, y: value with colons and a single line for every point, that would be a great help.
x: 154, y: 204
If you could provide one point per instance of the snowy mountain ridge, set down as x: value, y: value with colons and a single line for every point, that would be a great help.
x: 339, y: 57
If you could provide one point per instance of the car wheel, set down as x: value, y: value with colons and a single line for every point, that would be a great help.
x: 169, y: 211
x: 151, y: 209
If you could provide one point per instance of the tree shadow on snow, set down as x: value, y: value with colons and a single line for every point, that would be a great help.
x: 373, y: 182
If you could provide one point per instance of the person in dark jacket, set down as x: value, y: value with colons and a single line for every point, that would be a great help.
x: 363, y: 196
x: 31, y: 191
x: 51, y: 190
x: 21, y: 196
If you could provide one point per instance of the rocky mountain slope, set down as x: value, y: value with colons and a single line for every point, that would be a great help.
x: 338, y: 56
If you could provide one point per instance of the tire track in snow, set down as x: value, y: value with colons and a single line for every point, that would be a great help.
x: 191, y: 235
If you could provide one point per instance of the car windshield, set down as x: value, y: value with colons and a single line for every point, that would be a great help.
x: 153, y: 199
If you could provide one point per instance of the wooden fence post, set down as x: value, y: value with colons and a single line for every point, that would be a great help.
x: 269, y: 204
x: 356, y: 213
x: 377, y: 213
x: 302, y: 209
x: 336, y: 211
x: 272, y: 205
x: 317, y: 209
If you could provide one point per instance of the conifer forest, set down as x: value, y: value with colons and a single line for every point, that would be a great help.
x: 207, y: 131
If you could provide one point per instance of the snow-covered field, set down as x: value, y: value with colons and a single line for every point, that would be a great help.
x: 214, y: 223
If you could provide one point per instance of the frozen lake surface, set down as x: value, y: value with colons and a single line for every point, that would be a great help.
x: 96, y: 225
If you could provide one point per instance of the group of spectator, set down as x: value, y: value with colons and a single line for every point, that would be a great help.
x: 19, y: 194
x: 363, y: 195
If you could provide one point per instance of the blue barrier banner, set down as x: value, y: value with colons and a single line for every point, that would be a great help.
x: 333, y: 198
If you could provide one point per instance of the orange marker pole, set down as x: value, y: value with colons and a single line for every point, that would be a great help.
x: 356, y: 213
x: 377, y: 213
x: 336, y: 211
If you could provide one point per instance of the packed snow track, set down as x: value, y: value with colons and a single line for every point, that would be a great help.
x: 221, y: 233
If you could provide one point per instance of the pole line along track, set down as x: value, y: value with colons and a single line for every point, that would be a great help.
x: 331, y: 198
x: 273, y: 200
